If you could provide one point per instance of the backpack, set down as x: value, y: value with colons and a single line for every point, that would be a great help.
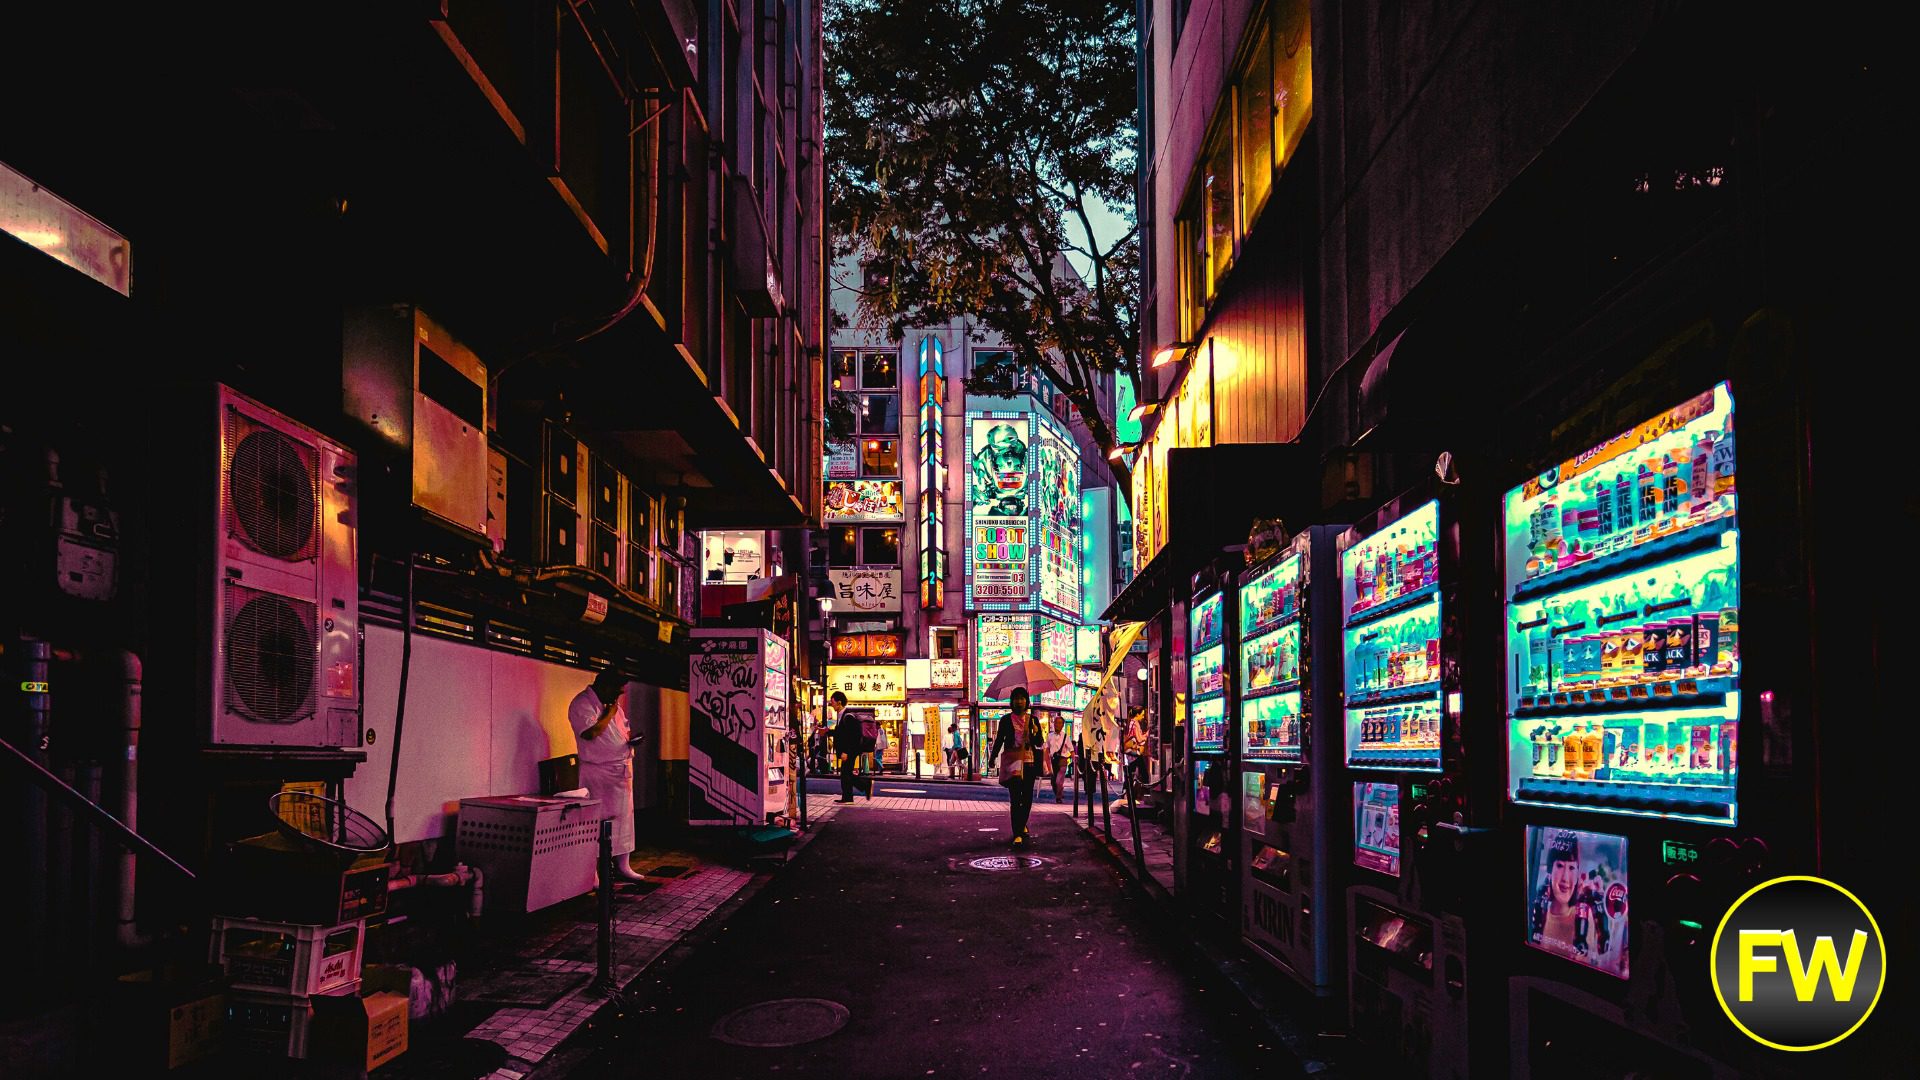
x: 869, y: 731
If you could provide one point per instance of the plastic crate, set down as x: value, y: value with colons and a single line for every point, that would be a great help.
x: 535, y: 850
x: 274, y: 1025
x: 290, y: 959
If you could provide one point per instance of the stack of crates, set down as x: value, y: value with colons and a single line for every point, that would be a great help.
x: 275, y: 970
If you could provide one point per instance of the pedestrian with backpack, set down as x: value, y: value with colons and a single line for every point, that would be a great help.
x: 853, y: 735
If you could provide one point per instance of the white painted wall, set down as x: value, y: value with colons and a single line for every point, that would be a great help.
x: 478, y: 722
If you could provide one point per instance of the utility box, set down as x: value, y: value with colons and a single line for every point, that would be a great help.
x: 535, y: 850
x: 408, y: 381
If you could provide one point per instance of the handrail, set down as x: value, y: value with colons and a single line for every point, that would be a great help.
x: 113, y: 826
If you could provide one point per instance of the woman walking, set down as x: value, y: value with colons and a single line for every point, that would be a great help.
x: 1019, y: 747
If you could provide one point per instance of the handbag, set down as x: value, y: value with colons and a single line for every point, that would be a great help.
x: 1013, y: 764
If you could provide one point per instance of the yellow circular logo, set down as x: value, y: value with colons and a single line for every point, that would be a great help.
x: 1798, y: 963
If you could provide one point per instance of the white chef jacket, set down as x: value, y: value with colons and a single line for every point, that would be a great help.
x: 606, y: 764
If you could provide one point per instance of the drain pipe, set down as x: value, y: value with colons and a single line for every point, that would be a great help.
x: 130, y: 677
x: 461, y: 875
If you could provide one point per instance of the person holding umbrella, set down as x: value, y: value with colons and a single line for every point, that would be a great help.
x: 1019, y: 747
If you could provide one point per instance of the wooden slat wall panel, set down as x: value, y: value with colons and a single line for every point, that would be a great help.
x: 1258, y: 334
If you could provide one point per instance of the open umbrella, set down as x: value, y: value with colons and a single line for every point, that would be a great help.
x: 1037, y: 676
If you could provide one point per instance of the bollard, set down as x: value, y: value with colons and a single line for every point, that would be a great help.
x: 1106, y: 811
x: 603, y: 981
x: 916, y: 764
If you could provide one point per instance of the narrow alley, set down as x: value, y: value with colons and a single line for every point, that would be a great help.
x: 946, y: 961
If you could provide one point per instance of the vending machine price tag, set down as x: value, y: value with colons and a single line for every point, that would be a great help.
x: 1677, y: 853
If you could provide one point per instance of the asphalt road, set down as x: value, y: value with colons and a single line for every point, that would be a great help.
x: 945, y: 970
x: 907, y: 788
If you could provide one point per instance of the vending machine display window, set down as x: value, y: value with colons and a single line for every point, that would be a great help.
x: 1390, y: 584
x: 1207, y: 673
x: 1270, y: 700
x: 1623, y: 622
x: 1577, y: 894
x: 1376, y: 827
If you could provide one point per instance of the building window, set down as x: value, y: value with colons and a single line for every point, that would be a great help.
x: 1253, y: 107
x: 1192, y: 240
x: 1218, y: 203
x: 880, y: 414
x: 840, y: 550
x: 880, y: 371
x: 845, y: 363
x: 1292, y: 75
x: 880, y: 457
x: 880, y: 547
x: 996, y: 372
x: 946, y: 643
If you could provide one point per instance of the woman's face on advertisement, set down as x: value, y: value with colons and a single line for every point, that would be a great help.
x: 1565, y: 874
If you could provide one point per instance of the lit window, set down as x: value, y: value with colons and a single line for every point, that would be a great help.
x: 1255, y: 112
x: 880, y: 457
x: 1217, y: 195
x: 879, y: 371
x: 1292, y: 76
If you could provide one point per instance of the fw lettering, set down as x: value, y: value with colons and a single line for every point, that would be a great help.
x: 1806, y: 974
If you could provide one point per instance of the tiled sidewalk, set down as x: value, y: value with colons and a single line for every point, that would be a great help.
x: 645, y: 926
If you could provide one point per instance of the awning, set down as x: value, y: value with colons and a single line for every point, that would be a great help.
x: 1100, y: 719
x: 1214, y: 493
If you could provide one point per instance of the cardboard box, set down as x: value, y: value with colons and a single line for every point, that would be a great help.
x: 168, y: 1019
x: 193, y: 1029
x: 364, y: 1031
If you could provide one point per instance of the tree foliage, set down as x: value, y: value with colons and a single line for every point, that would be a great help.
x: 970, y: 144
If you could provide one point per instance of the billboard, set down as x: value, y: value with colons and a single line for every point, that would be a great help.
x: 1057, y: 648
x: 998, y: 514
x: 1054, y: 499
x: 865, y: 590
x: 998, y: 640
x: 865, y: 500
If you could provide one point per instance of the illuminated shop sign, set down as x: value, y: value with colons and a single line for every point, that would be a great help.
x: 933, y: 474
x: 998, y: 640
x: 865, y: 590
x: 868, y: 684
x: 864, y: 500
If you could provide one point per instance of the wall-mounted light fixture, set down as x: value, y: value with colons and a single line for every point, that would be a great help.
x: 1170, y: 352
x: 1143, y: 410
x: 1121, y: 450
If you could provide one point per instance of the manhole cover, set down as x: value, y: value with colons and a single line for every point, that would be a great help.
x: 786, y: 1022
x: 1010, y: 862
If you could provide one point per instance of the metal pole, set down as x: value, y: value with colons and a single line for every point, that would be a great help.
x: 603, y: 980
x: 52, y: 784
x: 1133, y: 810
x: 1106, y: 809
x: 802, y: 773
x: 916, y: 764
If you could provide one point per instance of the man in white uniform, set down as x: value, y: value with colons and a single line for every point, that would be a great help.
x: 606, y: 758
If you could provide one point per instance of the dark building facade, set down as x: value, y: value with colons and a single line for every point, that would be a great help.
x: 444, y: 329
x: 1478, y: 256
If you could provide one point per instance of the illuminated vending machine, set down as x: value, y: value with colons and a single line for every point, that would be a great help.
x: 738, y: 695
x: 1211, y: 859
x: 1292, y: 809
x: 1413, y: 892
x: 1625, y: 739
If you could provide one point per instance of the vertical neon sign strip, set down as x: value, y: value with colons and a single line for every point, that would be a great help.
x: 933, y: 474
